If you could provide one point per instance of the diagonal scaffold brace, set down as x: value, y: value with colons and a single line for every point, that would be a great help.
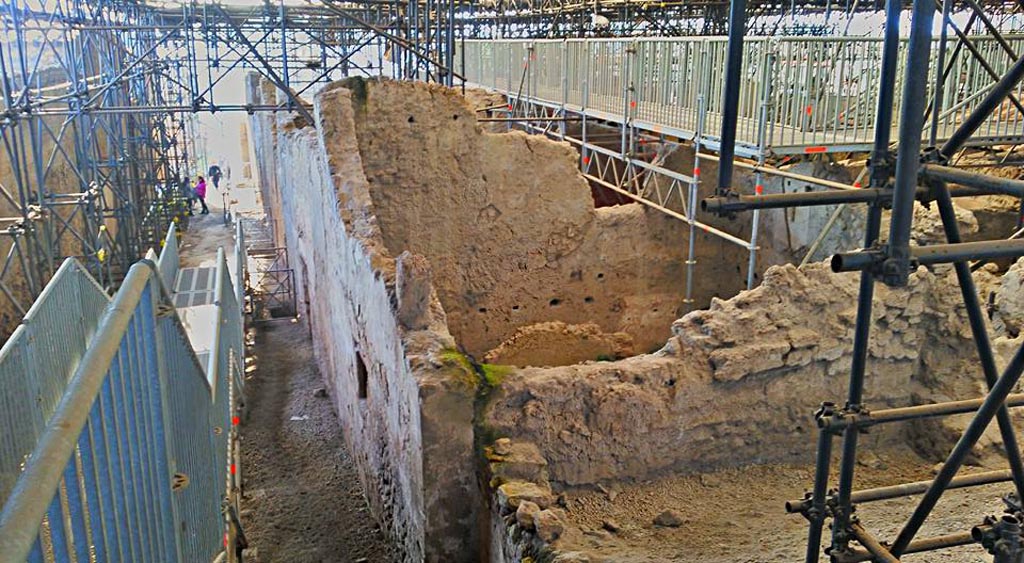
x: 916, y: 174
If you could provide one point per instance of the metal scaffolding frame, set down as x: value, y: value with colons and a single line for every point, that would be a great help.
x: 99, y: 108
x: 577, y: 18
x: 805, y: 96
x: 100, y: 99
x: 535, y: 19
x: 919, y: 171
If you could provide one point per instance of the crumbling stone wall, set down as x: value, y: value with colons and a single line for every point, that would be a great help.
x: 405, y: 214
x: 736, y: 384
x: 405, y: 401
x: 509, y: 226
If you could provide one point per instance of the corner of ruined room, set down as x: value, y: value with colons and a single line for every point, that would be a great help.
x: 734, y: 384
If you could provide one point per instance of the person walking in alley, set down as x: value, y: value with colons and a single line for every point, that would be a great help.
x: 215, y: 174
x: 200, y: 192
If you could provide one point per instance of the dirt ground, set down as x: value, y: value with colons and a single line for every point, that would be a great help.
x: 303, y: 500
x: 737, y: 516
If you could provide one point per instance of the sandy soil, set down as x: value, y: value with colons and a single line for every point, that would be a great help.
x: 737, y: 516
x: 303, y: 500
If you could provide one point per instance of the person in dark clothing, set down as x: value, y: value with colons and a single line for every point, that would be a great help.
x: 215, y: 174
x: 200, y: 192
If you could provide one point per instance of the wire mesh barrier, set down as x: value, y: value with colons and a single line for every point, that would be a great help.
x: 39, y: 359
x: 118, y: 445
x: 798, y: 94
x: 169, y: 261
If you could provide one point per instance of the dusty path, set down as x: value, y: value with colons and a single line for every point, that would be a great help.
x: 303, y: 501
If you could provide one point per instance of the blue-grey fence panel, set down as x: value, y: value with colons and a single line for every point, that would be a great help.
x: 196, y: 487
x: 119, y: 446
x: 108, y: 406
x: 39, y: 358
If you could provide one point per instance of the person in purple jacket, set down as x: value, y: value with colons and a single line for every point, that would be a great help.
x: 200, y: 191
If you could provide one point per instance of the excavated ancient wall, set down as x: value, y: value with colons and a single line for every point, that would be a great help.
x: 397, y: 204
x: 736, y: 383
x: 510, y: 228
x: 262, y: 133
x: 415, y: 232
x: 405, y: 402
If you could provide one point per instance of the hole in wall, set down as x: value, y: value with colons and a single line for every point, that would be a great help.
x: 555, y: 302
x: 600, y: 276
x: 482, y: 309
x: 455, y: 117
x: 361, y: 375
x: 412, y: 119
x: 515, y: 307
x: 588, y: 299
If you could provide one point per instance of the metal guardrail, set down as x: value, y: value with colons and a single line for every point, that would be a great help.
x: 39, y: 358
x: 134, y: 463
x: 799, y: 94
x: 241, y: 264
x: 169, y: 261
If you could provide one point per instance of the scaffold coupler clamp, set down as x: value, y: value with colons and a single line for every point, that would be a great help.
x: 932, y: 155
x: 897, y: 266
x: 1001, y: 538
x: 882, y: 168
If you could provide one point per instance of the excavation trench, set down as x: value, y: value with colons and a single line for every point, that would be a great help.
x: 490, y: 243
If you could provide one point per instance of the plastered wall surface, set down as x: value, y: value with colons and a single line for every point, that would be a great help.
x: 406, y: 413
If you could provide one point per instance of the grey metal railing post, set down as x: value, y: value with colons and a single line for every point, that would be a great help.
x: 627, y: 86
x: 585, y: 101
x: 691, y: 205
x: 565, y: 89
x: 766, y: 85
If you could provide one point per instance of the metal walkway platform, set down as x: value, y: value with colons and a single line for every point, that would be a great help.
x: 798, y: 94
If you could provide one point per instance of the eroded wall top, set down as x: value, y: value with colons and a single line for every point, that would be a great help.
x: 508, y: 224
